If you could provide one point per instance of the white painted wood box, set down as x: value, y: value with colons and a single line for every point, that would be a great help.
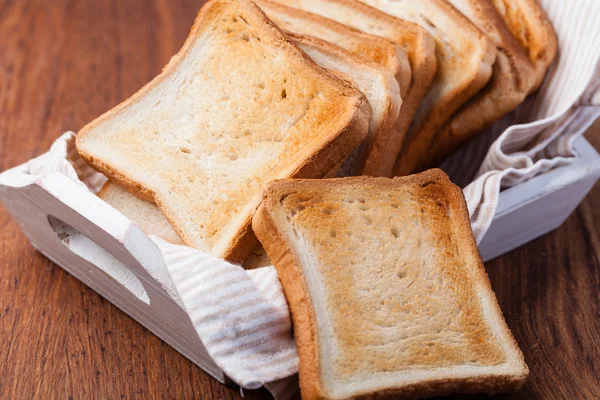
x: 106, y: 251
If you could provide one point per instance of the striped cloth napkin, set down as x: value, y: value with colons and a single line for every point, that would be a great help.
x: 242, y: 316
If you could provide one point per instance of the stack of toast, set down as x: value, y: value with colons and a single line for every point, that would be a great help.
x: 283, y: 121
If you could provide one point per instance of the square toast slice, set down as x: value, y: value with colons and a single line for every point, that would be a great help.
x: 387, y: 291
x: 416, y: 42
x: 237, y: 107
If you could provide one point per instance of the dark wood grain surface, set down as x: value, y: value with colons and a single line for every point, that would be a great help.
x: 63, y: 62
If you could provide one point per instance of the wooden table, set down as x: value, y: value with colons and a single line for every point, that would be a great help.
x: 64, y: 62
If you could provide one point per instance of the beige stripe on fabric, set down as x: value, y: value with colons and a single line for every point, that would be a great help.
x: 241, y: 316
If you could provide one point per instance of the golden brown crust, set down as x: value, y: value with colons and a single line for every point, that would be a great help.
x: 287, y: 263
x: 353, y: 124
x: 296, y: 294
x: 529, y: 24
x: 415, y: 41
x: 385, y: 120
x: 372, y: 47
x: 420, y: 48
x: 114, y: 175
x: 510, y: 382
x: 101, y: 193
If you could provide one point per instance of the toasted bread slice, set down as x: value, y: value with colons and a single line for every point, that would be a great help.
x: 387, y: 291
x: 145, y: 214
x: 371, y: 47
x: 513, y: 76
x: 531, y: 27
x: 419, y: 46
x: 237, y: 107
x: 151, y: 220
x: 375, y: 82
x: 465, y: 57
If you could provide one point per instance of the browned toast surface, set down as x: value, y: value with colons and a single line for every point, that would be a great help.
x: 386, y: 287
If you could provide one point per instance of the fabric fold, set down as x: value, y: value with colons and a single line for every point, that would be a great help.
x: 241, y: 316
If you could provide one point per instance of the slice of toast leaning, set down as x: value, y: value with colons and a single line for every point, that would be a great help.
x: 151, y: 220
x: 387, y: 291
x: 236, y: 108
